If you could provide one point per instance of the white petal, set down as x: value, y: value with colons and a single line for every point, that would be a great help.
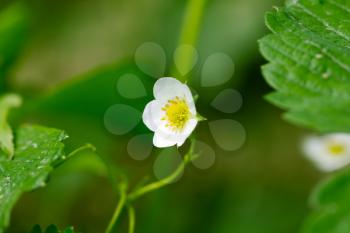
x: 316, y: 149
x: 168, y: 88
x: 152, y: 115
x: 190, y: 126
x: 175, y: 136
x: 312, y: 147
x: 167, y: 133
x: 160, y: 141
x: 341, y: 138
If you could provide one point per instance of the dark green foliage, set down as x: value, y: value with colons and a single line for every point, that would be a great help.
x: 309, y: 55
x: 331, y: 201
x: 13, y: 30
x: 51, y: 229
x: 37, y: 148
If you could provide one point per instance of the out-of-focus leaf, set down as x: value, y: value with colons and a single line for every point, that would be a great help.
x: 86, y: 161
x: 37, y: 148
x: 51, y: 229
x: 331, y: 200
x: 92, y: 93
x: 81, y: 103
x: 6, y: 136
x: 36, y: 229
x: 13, y: 30
x: 333, y: 189
x: 309, y: 54
x: 69, y: 230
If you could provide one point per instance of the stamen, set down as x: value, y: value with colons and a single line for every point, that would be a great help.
x: 177, y: 113
x: 336, y: 149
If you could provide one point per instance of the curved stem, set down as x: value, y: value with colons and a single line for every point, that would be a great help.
x: 163, y: 182
x: 131, y: 214
x: 117, y: 210
x: 73, y: 153
x: 126, y: 199
x: 158, y: 184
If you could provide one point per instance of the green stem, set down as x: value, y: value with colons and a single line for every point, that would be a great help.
x: 131, y: 214
x: 163, y: 182
x: 118, y: 210
x: 189, y: 34
x: 156, y: 185
x: 126, y: 199
x: 73, y: 153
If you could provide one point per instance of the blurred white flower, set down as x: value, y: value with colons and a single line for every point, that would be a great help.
x: 172, y: 115
x: 329, y: 152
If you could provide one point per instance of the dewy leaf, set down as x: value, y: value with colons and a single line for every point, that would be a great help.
x: 6, y: 135
x: 37, y: 148
x: 309, y: 55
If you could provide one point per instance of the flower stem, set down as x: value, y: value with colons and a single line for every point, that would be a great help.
x: 131, y: 214
x: 126, y: 199
x: 189, y: 34
x: 158, y: 184
x: 165, y: 181
x: 73, y: 153
x: 118, y: 209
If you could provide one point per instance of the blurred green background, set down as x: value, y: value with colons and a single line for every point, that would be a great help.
x: 64, y: 56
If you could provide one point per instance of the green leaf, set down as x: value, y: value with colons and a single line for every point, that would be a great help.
x: 51, y: 229
x: 36, y: 229
x: 6, y: 135
x: 92, y: 93
x: 13, y: 34
x: 329, y: 219
x: 37, y: 148
x: 309, y: 55
x: 331, y: 202
x: 81, y: 103
x: 69, y: 230
x: 333, y: 189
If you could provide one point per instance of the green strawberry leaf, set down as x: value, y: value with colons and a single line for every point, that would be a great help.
x: 309, y: 55
x: 331, y: 203
x: 37, y: 149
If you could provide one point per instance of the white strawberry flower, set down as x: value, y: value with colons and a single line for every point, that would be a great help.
x: 172, y: 115
x: 329, y: 152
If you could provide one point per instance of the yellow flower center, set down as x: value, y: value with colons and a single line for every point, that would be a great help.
x: 336, y: 149
x: 177, y: 113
